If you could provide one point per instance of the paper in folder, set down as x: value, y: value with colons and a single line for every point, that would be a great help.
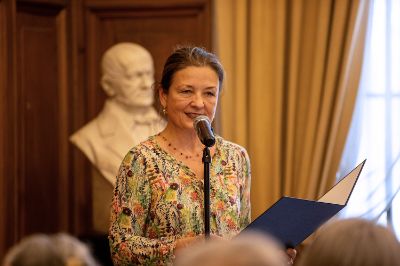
x: 292, y: 220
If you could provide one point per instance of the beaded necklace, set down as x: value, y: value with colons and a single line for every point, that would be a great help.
x: 175, y: 149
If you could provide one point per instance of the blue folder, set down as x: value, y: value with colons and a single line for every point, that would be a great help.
x: 292, y: 220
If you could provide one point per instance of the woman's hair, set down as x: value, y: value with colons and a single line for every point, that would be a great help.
x: 352, y: 242
x: 187, y: 56
x: 247, y: 249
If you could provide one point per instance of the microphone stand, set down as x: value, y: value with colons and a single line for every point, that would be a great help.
x: 206, y: 160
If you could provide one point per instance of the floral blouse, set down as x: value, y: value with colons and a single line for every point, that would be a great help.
x: 158, y: 199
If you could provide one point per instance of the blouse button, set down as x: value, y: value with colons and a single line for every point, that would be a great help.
x: 130, y: 173
x: 179, y: 206
x: 174, y: 186
x: 231, y: 200
x: 127, y: 211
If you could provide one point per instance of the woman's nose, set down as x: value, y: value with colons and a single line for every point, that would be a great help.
x: 198, y: 100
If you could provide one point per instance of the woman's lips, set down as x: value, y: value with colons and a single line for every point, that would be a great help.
x: 193, y: 115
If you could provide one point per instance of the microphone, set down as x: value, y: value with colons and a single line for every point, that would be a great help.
x: 204, y: 131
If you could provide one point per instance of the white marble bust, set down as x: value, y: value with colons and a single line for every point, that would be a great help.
x: 127, y: 118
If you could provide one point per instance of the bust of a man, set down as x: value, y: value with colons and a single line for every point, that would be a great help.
x: 128, y: 116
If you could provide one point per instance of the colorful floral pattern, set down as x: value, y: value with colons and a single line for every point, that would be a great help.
x: 158, y: 199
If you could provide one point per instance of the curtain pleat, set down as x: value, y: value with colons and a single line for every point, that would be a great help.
x: 293, y: 69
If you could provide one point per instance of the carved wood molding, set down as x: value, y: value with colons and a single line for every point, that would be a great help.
x: 118, y: 4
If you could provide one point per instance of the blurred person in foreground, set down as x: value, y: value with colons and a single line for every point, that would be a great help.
x: 50, y: 250
x: 249, y: 249
x: 352, y: 242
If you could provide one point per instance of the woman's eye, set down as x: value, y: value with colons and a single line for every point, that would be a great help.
x: 185, y: 91
x: 210, y: 93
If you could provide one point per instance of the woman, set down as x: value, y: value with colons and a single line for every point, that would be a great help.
x: 158, y: 200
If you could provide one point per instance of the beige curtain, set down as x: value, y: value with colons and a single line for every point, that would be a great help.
x: 293, y: 69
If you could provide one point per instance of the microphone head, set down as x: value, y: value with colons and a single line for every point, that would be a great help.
x: 202, y: 126
x: 200, y: 118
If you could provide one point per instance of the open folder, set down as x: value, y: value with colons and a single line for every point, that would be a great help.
x: 292, y: 220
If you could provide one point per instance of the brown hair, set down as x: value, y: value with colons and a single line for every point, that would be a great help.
x: 187, y: 56
x: 352, y: 242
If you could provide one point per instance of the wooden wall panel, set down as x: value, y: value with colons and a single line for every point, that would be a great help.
x: 3, y: 85
x: 42, y: 129
x: 50, y: 53
x: 8, y: 133
x: 157, y: 25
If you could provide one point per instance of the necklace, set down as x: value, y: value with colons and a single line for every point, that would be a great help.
x: 175, y: 149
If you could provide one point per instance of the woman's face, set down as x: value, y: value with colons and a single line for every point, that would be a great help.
x: 193, y: 92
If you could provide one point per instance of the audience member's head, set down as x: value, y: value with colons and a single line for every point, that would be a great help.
x: 34, y: 250
x: 52, y: 250
x: 73, y: 251
x: 352, y: 242
x: 247, y: 250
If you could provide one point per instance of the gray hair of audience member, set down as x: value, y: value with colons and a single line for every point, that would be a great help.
x: 352, y: 242
x: 52, y: 250
x: 73, y: 251
x: 34, y: 250
x: 248, y: 249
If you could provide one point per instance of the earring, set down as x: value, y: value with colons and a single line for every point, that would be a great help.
x: 164, y: 110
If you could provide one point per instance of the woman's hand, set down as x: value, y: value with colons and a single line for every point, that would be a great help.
x: 188, y: 241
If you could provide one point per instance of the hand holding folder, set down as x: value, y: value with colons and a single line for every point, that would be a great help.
x: 292, y: 220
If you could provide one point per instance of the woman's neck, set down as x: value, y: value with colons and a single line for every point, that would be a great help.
x: 185, y: 139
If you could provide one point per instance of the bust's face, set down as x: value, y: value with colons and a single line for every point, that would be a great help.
x: 132, y: 83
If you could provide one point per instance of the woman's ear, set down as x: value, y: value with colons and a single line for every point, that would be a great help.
x: 163, y: 97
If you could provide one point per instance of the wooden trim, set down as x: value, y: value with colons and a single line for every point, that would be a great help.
x: 118, y: 4
x: 55, y: 3
x: 63, y: 84
x: 8, y: 109
x: 82, y: 215
x: 3, y: 86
